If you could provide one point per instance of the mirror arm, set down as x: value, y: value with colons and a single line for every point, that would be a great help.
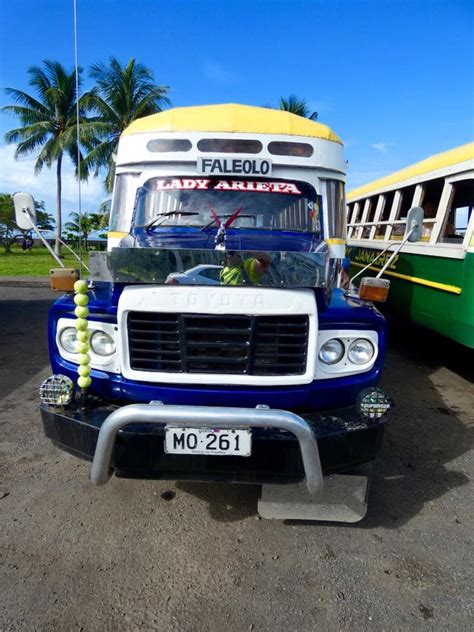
x: 35, y: 227
x: 397, y: 250
x: 74, y: 253
x: 371, y: 262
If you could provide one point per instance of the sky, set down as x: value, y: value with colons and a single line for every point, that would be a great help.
x: 394, y: 79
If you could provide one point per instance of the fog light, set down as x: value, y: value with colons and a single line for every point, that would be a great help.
x: 372, y: 403
x: 57, y: 390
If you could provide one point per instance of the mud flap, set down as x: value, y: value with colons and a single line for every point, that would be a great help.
x: 343, y: 499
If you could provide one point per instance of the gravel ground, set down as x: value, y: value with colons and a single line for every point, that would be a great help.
x: 161, y: 556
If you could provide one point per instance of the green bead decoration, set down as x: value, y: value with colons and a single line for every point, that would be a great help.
x: 83, y: 336
x: 81, y: 312
x: 83, y: 347
x: 80, y: 324
x: 84, y: 382
x: 84, y: 359
x: 81, y: 299
x: 80, y: 286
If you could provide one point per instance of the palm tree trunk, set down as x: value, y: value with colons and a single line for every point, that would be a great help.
x: 57, y: 246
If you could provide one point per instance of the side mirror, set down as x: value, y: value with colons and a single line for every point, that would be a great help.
x: 25, y: 212
x: 414, y: 223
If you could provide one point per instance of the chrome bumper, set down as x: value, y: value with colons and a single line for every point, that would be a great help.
x: 207, y: 417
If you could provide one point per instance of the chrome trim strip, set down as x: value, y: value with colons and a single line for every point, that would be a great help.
x: 207, y: 417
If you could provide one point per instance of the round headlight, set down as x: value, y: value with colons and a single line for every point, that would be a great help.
x: 102, y: 343
x: 361, y: 351
x: 331, y: 351
x: 68, y: 339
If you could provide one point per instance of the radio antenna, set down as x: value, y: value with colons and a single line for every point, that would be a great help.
x: 76, y: 65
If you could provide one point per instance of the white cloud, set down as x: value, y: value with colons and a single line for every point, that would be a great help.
x: 383, y: 148
x: 19, y: 175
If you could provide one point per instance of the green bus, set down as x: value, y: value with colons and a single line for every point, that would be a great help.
x: 431, y: 281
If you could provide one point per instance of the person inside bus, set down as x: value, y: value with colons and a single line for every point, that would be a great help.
x: 450, y: 227
x: 430, y: 213
x: 238, y: 271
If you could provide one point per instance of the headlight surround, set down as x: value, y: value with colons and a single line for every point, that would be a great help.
x: 68, y: 339
x: 332, y: 351
x: 102, y: 344
x: 361, y: 351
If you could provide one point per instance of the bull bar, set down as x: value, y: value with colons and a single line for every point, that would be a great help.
x: 207, y: 417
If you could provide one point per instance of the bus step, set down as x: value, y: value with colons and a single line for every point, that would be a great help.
x: 343, y: 499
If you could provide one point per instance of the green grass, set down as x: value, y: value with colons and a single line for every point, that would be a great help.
x: 36, y: 262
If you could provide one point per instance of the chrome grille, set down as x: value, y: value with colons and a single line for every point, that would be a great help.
x: 223, y: 344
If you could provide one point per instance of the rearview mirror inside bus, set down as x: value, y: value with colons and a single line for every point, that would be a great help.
x: 25, y: 212
x: 414, y: 223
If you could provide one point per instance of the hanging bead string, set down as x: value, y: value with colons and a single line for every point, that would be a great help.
x: 81, y: 299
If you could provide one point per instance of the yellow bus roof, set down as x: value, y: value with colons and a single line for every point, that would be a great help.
x: 438, y: 161
x: 243, y: 119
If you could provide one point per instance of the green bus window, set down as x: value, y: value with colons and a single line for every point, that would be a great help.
x: 430, y: 201
x: 458, y: 212
x: 385, y: 215
x: 369, y: 217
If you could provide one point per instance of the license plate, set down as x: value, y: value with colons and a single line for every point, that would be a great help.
x: 207, y: 441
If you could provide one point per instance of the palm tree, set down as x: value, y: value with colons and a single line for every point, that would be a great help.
x: 82, y: 226
x: 122, y: 94
x: 48, y: 122
x: 297, y: 106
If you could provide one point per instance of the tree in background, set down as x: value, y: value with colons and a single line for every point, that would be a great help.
x: 48, y: 122
x: 297, y: 106
x: 121, y: 95
x: 9, y: 231
x: 83, y: 227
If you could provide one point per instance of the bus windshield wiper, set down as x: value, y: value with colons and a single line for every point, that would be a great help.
x: 156, y: 220
x: 221, y: 226
x: 218, y: 222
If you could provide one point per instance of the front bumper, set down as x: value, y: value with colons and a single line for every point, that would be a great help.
x: 286, y: 448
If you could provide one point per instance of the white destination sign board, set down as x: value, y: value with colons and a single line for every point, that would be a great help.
x: 227, y: 165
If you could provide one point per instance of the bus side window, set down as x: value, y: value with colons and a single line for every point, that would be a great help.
x: 458, y: 212
x: 385, y: 216
x: 369, y: 217
x: 405, y: 206
x: 431, y: 197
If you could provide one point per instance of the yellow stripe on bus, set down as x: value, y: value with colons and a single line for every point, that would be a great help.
x: 453, y: 289
x: 396, y: 180
x: 116, y: 234
x: 335, y: 241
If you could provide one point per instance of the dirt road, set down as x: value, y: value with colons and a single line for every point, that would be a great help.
x: 131, y: 556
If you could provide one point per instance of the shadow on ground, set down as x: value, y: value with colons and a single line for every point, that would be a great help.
x: 424, y: 436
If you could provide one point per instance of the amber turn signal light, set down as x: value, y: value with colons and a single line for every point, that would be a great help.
x: 63, y: 279
x: 374, y: 290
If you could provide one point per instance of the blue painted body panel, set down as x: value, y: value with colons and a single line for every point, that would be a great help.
x: 236, y: 239
x: 342, y: 313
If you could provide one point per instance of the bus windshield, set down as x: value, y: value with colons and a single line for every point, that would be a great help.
x: 204, y: 202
